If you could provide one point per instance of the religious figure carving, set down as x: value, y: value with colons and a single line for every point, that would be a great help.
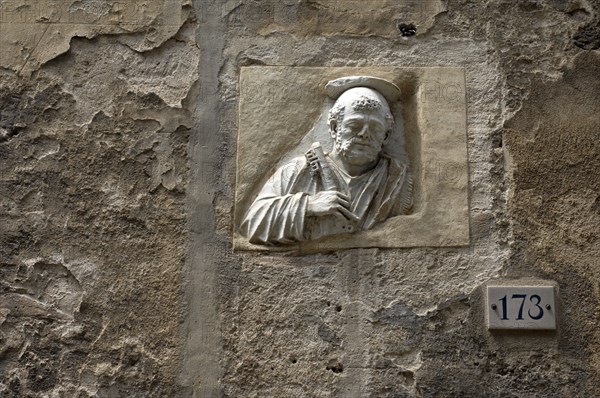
x: 354, y: 187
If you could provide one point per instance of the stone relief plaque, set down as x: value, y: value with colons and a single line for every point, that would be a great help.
x: 335, y: 158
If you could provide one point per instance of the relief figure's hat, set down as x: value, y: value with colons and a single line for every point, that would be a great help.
x: 389, y: 90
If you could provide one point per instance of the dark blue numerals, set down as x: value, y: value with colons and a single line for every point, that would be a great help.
x: 538, y: 311
x: 504, y: 309
x: 537, y: 304
x: 522, y: 297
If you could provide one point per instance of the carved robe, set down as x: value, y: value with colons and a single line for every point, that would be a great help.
x: 278, y: 214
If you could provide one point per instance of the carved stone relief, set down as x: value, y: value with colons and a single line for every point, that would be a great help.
x: 332, y: 158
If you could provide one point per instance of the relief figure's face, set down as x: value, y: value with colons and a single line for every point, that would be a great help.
x: 361, y: 135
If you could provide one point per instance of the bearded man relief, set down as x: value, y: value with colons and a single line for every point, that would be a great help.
x: 354, y: 187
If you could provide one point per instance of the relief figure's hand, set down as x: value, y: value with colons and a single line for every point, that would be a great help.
x: 330, y: 202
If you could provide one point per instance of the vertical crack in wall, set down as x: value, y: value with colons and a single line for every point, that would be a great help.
x: 206, y: 251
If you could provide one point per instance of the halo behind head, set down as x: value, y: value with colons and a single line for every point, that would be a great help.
x: 389, y: 90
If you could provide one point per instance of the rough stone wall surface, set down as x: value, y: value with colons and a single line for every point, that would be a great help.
x: 117, y: 173
x: 94, y: 126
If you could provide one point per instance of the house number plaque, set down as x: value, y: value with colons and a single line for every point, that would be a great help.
x: 521, y: 307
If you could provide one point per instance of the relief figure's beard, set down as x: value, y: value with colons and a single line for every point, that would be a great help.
x: 346, y: 151
x: 343, y: 148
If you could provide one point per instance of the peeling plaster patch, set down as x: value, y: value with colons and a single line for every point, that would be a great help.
x: 40, y: 288
x: 93, y: 149
x: 96, y: 71
x: 166, y: 71
x: 330, y: 17
x: 32, y: 33
x: 97, y: 8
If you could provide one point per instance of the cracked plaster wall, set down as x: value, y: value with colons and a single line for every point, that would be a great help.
x: 96, y: 105
x: 117, y: 151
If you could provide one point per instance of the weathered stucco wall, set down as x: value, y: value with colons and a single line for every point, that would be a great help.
x: 94, y: 127
x: 117, y: 171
